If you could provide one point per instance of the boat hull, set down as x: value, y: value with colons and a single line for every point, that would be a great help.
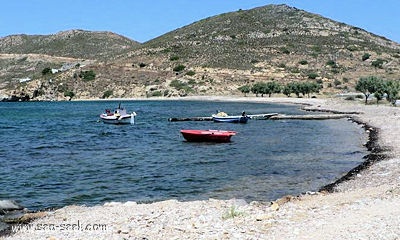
x: 115, y: 120
x: 231, y: 119
x: 207, y: 135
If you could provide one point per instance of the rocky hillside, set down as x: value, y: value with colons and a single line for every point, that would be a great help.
x: 23, y: 57
x: 212, y: 56
x: 243, y: 39
x: 78, y: 44
x: 275, y: 42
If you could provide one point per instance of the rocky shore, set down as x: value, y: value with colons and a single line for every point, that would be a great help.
x: 363, y: 205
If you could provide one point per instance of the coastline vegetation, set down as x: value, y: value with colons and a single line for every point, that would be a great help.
x: 87, y: 75
x: 379, y: 88
x: 273, y: 87
x: 232, y: 213
x: 370, y: 86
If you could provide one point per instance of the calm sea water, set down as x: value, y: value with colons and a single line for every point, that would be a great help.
x: 58, y: 153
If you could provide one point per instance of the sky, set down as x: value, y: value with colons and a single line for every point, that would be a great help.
x: 143, y: 20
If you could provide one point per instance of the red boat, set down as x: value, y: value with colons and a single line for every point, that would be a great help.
x: 207, y: 135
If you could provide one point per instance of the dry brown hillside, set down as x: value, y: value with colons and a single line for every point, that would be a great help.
x: 214, y: 56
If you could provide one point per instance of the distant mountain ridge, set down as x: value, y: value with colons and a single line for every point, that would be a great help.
x: 212, y: 56
x: 73, y: 43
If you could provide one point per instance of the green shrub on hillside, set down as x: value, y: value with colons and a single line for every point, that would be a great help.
x: 174, y: 58
x: 192, y: 82
x: 285, y: 50
x: 69, y: 94
x: 378, y: 63
x: 365, y: 56
x: 316, y: 49
x: 157, y: 93
x: 190, y: 73
x: 107, y: 94
x: 312, y: 75
x: 303, y: 62
x: 87, y: 75
x: 179, y: 68
x: 46, y: 71
x: 352, y: 48
x: 179, y: 85
x: 331, y: 63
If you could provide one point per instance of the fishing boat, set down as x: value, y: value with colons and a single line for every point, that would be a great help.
x: 207, y: 135
x: 223, y: 117
x: 118, y: 116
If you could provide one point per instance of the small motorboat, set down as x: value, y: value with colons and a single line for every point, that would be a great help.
x: 207, y: 135
x: 223, y: 117
x: 118, y: 116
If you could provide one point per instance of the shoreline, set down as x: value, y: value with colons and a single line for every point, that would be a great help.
x: 375, y: 154
x: 279, y: 219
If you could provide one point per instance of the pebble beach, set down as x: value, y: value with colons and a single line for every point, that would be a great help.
x: 363, y: 205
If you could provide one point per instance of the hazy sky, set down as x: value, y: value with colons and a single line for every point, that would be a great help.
x: 143, y: 20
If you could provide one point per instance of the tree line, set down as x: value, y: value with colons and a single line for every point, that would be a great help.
x: 273, y: 87
x: 379, y: 88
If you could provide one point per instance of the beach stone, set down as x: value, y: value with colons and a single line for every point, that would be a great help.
x: 13, y: 217
x: 28, y: 217
x: 263, y: 217
x: 112, y: 204
x: 130, y: 204
x: 9, y: 205
x: 3, y: 226
x: 274, y: 206
x: 240, y: 202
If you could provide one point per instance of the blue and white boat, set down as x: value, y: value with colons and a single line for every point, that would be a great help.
x: 223, y: 117
x: 118, y: 116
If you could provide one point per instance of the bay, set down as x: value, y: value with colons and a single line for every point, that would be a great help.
x: 54, y: 154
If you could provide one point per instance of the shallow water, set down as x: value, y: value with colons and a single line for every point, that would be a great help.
x: 58, y: 153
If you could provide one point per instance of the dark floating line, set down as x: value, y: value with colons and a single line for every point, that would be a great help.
x: 377, y: 154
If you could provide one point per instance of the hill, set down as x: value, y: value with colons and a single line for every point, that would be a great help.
x: 239, y: 40
x: 216, y: 55
x: 74, y: 44
x: 275, y: 42
x: 23, y: 57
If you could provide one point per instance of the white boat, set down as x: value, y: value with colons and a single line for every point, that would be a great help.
x: 118, y: 116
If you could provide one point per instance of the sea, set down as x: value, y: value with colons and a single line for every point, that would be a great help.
x: 54, y: 154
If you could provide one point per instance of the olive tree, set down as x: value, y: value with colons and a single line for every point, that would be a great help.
x: 288, y: 89
x: 367, y: 85
x: 244, y: 89
x: 392, y: 91
x: 259, y: 88
x: 272, y: 87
